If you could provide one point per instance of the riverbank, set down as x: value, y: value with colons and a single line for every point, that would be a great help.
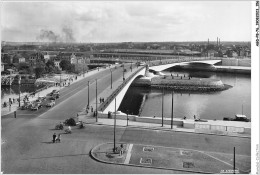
x: 211, y: 127
x: 182, y: 83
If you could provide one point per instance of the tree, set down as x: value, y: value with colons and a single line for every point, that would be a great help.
x: 39, y: 71
x: 65, y: 65
x: 50, y: 63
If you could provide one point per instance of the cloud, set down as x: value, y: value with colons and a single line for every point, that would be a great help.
x: 108, y: 21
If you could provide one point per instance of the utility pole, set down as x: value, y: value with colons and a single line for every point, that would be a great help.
x: 162, y: 104
x: 114, y: 149
x: 127, y: 118
x: 234, y: 161
x: 88, y: 93
x: 19, y: 82
x: 172, y: 112
x: 123, y: 72
x: 60, y: 80
x: 96, y: 102
x: 111, y: 78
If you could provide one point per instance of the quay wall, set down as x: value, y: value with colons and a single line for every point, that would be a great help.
x: 236, y: 62
x: 213, y: 125
x: 183, y: 83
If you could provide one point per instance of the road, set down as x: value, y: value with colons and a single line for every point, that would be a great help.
x: 27, y: 147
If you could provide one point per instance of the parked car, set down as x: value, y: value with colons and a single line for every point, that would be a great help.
x: 50, y: 104
x: 56, y: 95
x: 36, y: 106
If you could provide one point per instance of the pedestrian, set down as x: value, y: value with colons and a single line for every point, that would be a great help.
x: 121, y: 149
x: 91, y: 109
x: 58, y: 138
x: 13, y: 100
x: 54, y: 137
x: 194, y: 117
x: 103, y: 99
x: 100, y: 99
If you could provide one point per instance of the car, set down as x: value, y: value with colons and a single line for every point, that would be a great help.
x: 35, y: 107
x: 50, y: 104
x: 56, y: 95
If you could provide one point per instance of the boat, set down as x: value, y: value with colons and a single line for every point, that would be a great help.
x: 238, y: 117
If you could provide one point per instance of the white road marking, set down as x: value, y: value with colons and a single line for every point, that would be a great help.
x: 128, y: 156
x: 216, y: 158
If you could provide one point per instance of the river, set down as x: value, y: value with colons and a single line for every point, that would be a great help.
x: 213, y: 105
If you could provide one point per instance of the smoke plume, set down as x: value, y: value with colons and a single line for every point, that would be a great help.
x: 65, y: 36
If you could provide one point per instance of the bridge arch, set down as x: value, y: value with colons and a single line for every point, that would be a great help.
x: 166, y: 66
x: 119, y: 97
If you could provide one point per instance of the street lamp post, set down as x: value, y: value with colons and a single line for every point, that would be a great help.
x: 96, y: 102
x: 60, y: 80
x: 127, y: 118
x: 111, y: 78
x: 88, y: 93
x: 162, y: 104
x: 19, y: 81
x: 114, y: 149
x: 123, y: 72
x: 172, y: 112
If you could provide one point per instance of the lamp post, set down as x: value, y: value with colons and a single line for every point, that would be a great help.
x: 111, y: 78
x: 172, y: 112
x: 88, y: 93
x: 19, y: 82
x: 96, y: 102
x: 60, y: 80
x: 123, y: 72
x: 114, y: 149
x: 234, y: 161
x: 162, y: 104
x: 127, y: 118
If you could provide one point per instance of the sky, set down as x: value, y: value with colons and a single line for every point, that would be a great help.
x: 125, y: 21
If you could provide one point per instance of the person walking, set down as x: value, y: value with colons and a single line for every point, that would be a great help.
x: 54, y: 137
x: 58, y: 138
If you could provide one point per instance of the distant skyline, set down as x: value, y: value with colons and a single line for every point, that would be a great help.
x: 126, y: 21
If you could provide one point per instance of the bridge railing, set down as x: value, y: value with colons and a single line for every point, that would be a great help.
x: 105, y: 104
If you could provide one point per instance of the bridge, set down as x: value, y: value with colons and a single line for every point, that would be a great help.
x: 168, y: 65
x: 119, y: 93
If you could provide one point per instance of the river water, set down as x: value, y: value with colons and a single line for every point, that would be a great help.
x: 213, y: 105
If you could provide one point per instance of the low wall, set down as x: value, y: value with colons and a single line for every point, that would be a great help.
x: 236, y: 62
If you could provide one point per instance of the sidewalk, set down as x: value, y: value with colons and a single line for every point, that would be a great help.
x: 180, y: 159
x: 106, y: 93
x: 15, y: 106
x: 154, y: 126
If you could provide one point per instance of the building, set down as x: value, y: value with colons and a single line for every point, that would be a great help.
x: 57, y: 63
x: 35, y: 59
x: 2, y: 66
x: 49, y: 56
x: 212, y: 53
x: 18, y: 59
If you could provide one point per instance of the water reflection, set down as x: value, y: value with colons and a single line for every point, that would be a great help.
x: 208, y: 105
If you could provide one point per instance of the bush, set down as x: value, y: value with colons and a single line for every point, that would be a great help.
x: 70, y: 122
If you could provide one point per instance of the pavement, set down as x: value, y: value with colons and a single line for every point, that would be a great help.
x: 154, y: 126
x: 15, y: 106
x: 169, y: 158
